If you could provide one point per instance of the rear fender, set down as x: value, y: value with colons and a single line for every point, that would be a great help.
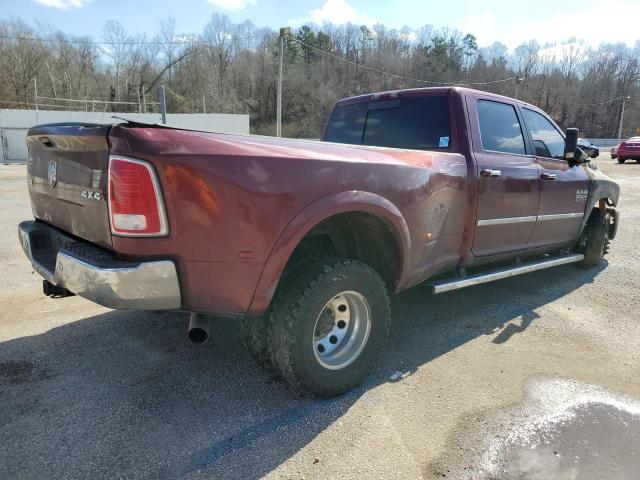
x: 312, y: 215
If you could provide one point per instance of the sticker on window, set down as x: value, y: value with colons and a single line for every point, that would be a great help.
x: 444, y: 142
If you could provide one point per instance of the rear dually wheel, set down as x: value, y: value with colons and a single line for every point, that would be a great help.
x: 327, y: 326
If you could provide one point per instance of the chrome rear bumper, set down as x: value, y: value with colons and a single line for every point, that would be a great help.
x: 96, y: 274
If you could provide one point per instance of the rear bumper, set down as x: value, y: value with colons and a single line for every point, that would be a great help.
x: 96, y: 274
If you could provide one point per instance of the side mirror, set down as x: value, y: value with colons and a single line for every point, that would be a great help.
x: 581, y: 157
x: 571, y: 143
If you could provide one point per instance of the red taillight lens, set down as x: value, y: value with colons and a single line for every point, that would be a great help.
x: 135, y: 201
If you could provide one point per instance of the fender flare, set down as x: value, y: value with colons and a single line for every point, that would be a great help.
x: 312, y: 215
x: 601, y: 187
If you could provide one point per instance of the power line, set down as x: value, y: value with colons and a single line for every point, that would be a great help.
x: 80, y: 42
x: 600, y: 103
x: 177, y: 41
x: 364, y: 67
x: 79, y: 100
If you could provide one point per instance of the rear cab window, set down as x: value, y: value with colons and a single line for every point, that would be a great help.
x: 419, y: 123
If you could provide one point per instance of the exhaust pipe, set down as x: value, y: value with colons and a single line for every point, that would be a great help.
x: 198, y: 328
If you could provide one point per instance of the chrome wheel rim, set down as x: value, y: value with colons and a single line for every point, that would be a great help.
x: 341, y: 330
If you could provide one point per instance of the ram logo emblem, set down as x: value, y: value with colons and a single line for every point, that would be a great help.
x: 52, y: 173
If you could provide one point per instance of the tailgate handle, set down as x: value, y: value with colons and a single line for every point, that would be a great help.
x: 47, y: 142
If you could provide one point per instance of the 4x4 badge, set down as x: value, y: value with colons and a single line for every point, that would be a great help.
x: 52, y: 173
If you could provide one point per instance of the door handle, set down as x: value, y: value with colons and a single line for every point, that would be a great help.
x: 488, y: 172
x: 547, y: 176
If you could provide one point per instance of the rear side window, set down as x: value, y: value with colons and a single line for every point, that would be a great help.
x: 420, y: 123
x: 500, y: 128
x: 547, y: 140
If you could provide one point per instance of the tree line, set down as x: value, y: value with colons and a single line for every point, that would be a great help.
x: 232, y: 68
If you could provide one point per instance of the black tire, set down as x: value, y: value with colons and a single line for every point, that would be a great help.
x: 594, y: 241
x: 254, y: 332
x: 292, y: 321
x: 621, y: 160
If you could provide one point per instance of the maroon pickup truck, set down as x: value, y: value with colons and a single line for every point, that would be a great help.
x: 303, y: 240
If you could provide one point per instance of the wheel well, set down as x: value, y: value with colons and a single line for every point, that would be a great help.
x: 358, y: 236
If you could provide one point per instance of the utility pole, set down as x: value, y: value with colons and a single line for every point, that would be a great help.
x: 163, y: 105
x: 621, y: 117
x: 284, y: 31
x: 35, y: 89
x: 518, y: 80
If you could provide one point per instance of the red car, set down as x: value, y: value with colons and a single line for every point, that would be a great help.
x: 300, y: 240
x: 629, y: 150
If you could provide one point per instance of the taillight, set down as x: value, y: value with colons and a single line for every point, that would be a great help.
x: 136, y: 208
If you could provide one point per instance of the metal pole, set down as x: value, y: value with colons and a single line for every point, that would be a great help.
x: 163, y: 105
x: 283, y: 31
x: 279, y: 107
x: 35, y: 90
x: 621, y: 117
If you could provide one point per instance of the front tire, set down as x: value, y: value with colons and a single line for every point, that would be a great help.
x: 594, y: 241
x: 621, y: 160
x: 327, y: 326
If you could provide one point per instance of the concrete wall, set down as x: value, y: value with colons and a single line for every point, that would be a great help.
x: 15, y: 123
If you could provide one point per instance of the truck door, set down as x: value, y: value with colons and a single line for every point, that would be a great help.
x: 507, y: 175
x: 564, y: 188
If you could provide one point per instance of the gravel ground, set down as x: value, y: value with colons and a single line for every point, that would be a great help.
x: 87, y: 392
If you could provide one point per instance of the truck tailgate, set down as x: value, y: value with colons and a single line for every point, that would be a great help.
x: 67, y: 170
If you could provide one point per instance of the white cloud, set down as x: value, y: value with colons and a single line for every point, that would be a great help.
x: 482, y: 26
x: 334, y: 11
x: 610, y: 22
x: 232, y: 4
x: 63, y: 4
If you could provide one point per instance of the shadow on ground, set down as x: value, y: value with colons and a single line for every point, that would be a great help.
x: 125, y: 395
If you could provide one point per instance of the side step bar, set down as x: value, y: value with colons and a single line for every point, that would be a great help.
x: 442, y: 286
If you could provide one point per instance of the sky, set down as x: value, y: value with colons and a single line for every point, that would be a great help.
x: 506, y: 21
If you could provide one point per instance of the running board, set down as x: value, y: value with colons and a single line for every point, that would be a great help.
x: 468, y: 281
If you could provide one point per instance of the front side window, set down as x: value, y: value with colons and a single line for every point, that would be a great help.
x: 500, y: 129
x: 547, y: 140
